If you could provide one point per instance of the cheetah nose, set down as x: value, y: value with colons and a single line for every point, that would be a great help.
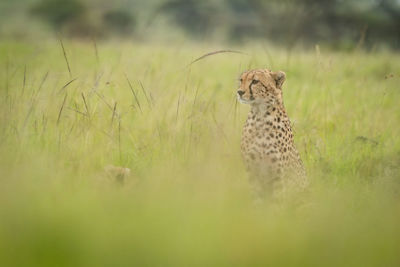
x: 240, y: 93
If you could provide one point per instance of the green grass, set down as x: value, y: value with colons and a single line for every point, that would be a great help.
x: 187, y: 202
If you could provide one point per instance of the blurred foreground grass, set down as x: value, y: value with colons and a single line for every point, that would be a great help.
x: 187, y: 201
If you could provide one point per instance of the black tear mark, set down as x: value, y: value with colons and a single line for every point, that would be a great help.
x: 251, y: 92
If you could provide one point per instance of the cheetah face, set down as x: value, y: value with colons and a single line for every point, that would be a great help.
x: 261, y: 86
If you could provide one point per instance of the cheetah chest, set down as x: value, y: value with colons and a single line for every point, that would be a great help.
x: 266, y: 140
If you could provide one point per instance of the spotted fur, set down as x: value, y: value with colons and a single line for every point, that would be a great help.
x: 267, y: 142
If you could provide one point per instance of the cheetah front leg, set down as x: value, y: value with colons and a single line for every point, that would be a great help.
x: 265, y: 180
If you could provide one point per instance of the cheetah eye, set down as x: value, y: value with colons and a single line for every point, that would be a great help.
x: 254, y: 81
x: 241, y: 80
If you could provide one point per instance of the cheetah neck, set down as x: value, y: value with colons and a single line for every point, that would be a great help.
x: 266, y: 110
x: 267, y: 119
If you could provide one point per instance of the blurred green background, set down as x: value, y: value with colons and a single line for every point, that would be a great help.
x: 336, y: 23
x: 85, y: 84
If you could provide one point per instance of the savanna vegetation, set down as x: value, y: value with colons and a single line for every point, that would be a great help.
x: 85, y: 84
x: 67, y: 110
x: 341, y: 25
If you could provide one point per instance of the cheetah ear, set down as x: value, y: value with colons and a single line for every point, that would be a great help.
x: 279, y: 78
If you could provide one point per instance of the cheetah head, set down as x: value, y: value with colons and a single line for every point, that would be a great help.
x: 261, y: 86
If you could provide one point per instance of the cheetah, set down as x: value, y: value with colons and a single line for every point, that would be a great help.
x: 267, y: 145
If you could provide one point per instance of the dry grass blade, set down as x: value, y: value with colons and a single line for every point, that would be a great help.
x: 232, y: 107
x: 134, y: 94
x: 96, y: 84
x: 215, y: 53
x: 194, y: 101
x: 191, y: 120
x: 77, y: 111
x: 114, y: 112
x: 65, y: 57
x: 219, y: 128
x: 61, y: 109
x: 27, y: 116
x: 24, y: 82
x: 177, y: 107
x: 86, y: 106
x: 68, y: 83
x: 41, y: 84
x: 96, y: 50
x: 7, y: 75
x: 144, y: 92
x: 235, y: 112
x: 104, y: 101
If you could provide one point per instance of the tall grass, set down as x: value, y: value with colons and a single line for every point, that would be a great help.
x: 177, y: 127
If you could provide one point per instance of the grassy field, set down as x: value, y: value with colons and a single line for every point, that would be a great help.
x: 177, y: 127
